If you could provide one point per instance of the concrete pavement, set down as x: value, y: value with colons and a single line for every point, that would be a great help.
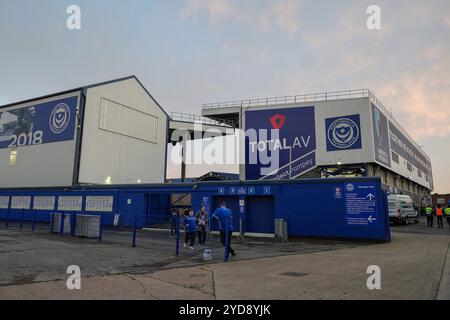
x: 413, y: 266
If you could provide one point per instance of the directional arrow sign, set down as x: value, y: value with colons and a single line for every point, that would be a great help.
x: 370, y: 196
x: 371, y: 219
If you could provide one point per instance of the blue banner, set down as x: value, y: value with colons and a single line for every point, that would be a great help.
x: 381, y: 137
x: 285, y: 143
x: 343, y: 133
x: 38, y: 124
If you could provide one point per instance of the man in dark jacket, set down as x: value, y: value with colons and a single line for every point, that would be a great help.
x: 202, y: 223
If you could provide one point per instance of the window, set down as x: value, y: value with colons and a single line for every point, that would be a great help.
x: 395, y: 157
x: 419, y: 173
x: 409, y: 167
x: 13, y: 157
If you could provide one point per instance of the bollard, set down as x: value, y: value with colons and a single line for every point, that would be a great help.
x: 100, y: 232
x: 61, y: 231
x: 7, y: 220
x: 177, y: 233
x: 33, y: 227
x: 73, y: 221
x: 226, y: 241
x: 52, y: 215
x: 134, y: 230
x: 21, y: 218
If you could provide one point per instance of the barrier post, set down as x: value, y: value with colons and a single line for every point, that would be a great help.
x: 134, y: 230
x: 34, y: 221
x: 51, y: 221
x: 61, y: 229
x: 21, y: 218
x: 73, y: 220
x: 226, y: 241
x: 7, y: 219
x: 177, y: 234
x: 100, y: 232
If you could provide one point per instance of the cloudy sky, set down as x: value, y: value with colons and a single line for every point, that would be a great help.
x: 189, y: 52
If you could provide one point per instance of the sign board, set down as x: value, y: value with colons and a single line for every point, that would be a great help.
x: 21, y: 202
x: 70, y: 203
x: 280, y: 144
x: 343, y: 133
x: 440, y: 201
x: 406, y: 149
x: 267, y: 190
x: 99, y: 203
x: 361, y: 204
x: 381, y: 137
x: 47, y: 122
x: 44, y: 203
x: 4, y: 202
x: 242, y: 190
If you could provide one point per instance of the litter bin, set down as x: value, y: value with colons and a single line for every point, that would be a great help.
x: 281, y: 230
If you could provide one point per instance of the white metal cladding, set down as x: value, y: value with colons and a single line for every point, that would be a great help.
x: 124, y: 120
x: 132, y: 149
x: 39, y: 165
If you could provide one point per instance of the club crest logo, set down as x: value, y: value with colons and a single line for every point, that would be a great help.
x: 59, y: 118
x: 278, y: 121
x: 343, y: 133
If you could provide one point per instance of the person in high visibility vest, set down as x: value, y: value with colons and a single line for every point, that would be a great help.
x: 440, y: 216
x: 447, y: 214
x: 430, y: 218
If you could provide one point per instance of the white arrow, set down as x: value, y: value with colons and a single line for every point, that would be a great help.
x: 370, y: 196
x: 371, y: 219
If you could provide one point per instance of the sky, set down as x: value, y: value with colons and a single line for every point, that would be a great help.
x: 190, y: 52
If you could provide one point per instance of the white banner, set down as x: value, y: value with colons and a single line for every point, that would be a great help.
x: 99, y: 203
x: 4, y: 202
x: 70, y: 203
x: 44, y: 203
x: 21, y: 202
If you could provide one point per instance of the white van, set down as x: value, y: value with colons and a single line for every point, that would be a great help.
x: 401, y: 209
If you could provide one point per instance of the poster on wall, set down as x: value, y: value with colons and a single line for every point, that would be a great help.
x: 381, y: 137
x: 21, y: 202
x: 44, y: 203
x: 42, y: 123
x: 99, y: 203
x: 70, y: 203
x: 403, y: 147
x: 343, y: 133
x: 4, y: 202
x: 280, y: 143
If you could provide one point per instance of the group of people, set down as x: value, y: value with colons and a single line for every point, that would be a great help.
x: 440, y: 213
x: 199, y: 224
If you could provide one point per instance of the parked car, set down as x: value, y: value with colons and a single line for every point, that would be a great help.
x: 402, y: 209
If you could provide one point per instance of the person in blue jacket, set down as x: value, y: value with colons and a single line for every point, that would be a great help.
x: 225, y: 217
x: 190, y: 228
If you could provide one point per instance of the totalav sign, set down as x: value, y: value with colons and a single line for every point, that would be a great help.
x: 38, y: 124
x: 280, y: 143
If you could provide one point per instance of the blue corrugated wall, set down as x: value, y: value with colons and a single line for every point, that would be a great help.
x: 312, y: 207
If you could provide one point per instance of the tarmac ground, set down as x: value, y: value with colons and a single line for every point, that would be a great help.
x: 414, y: 265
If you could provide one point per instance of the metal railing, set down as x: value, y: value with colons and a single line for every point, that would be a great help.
x: 186, y: 117
x: 314, y: 97
x: 317, y: 97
